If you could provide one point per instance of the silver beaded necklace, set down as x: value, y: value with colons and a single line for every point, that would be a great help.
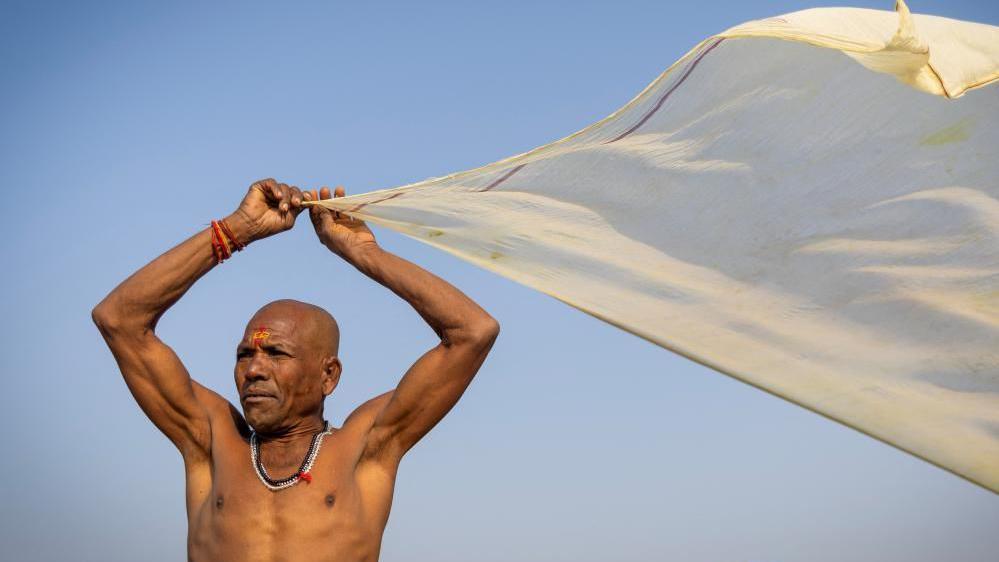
x: 303, y: 471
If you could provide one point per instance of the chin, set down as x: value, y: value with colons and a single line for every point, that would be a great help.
x: 261, y: 422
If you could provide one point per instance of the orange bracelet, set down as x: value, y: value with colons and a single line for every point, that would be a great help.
x: 223, y: 241
x: 223, y: 244
x: 216, y: 246
x: 232, y: 237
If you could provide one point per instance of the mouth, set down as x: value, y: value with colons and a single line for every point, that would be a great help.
x: 257, y: 397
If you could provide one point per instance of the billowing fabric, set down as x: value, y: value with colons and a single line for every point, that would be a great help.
x: 807, y: 203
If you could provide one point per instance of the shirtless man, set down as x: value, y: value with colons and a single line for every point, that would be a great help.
x: 286, y: 364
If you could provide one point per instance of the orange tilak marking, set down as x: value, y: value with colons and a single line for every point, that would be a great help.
x: 260, y: 336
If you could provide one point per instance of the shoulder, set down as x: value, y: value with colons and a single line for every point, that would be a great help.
x: 222, y: 415
x: 363, y: 417
x: 362, y: 428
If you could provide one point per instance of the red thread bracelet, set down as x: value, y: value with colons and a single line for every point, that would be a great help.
x: 224, y: 241
x: 216, y: 250
x: 232, y: 237
x: 220, y: 239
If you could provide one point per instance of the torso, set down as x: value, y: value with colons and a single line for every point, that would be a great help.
x: 338, y: 516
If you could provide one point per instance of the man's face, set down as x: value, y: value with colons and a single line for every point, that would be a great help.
x: 279, y: 378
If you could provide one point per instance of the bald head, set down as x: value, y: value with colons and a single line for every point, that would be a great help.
x: 311, y: 326
x: 286, y: 365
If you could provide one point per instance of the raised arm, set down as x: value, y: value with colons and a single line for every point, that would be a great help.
x: 127, y: 317
x: 437, y: 380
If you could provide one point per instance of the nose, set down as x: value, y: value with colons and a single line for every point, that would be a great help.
x: 255, y: 375
x: 258, y: 368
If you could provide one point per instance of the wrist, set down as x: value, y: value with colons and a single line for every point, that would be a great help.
x: 362, y: 255
x: 242, y: 227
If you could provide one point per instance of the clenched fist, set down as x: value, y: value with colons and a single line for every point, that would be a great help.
x: 268, y: 208
x: 343, y: 235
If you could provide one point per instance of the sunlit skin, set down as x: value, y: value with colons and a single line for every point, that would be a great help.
x: 286, y: 364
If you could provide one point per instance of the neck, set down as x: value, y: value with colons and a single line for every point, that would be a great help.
x: 303, y: 429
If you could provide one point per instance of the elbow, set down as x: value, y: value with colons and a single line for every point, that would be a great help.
x: 479, y: 333
x: 102, y: 316
x: 105, y: 318
x: 491, y: 329
x: 484, y: 332
x: 112, y: 322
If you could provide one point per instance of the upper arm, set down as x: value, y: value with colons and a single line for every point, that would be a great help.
x: 161, y: 385
x: 426, y: 393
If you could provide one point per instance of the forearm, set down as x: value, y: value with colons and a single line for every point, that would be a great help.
x: 449, y: 312
x: 139, y: 301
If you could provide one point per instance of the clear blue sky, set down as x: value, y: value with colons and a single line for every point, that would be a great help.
x: 125, y: 127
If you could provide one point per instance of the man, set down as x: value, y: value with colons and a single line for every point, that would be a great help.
x: 275, y: 482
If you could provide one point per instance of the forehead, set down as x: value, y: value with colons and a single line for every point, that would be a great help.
x: 271, y: 326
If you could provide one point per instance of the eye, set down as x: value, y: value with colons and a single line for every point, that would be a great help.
x: 275, y: 351
x: 243, y: 354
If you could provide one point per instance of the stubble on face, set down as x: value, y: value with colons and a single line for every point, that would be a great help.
x: 279, y: 367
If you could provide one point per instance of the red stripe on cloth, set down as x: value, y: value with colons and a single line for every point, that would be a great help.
x: 502, y: 179
x: 659, y: 103
x: 360, y: 206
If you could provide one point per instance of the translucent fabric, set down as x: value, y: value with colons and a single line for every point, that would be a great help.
x: 807, y: 203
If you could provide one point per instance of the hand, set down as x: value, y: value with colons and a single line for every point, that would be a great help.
x: 343, y: 235
x: 268, y: 208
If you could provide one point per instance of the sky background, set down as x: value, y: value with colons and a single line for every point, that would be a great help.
x: 126, y: 127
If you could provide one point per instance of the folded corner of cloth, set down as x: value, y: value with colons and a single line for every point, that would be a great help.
x: 940, y: 56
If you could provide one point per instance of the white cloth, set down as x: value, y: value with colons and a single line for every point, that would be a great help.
x: 824, y: 230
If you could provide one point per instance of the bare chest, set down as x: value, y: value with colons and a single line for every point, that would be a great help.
x: 330, y: 517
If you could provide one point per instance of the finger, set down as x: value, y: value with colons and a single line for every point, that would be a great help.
x: 338, y: 192
x: 316, y: 215
x: 321, y: 218
x: 285, y: 202
x: 324, y: 193
x: 314, y: 210
x: 274, y: 194
x: 263, y: 186
x: 273, y: 191
x: 295, y: 198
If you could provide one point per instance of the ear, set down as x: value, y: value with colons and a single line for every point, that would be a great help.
x: 331, y: 374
